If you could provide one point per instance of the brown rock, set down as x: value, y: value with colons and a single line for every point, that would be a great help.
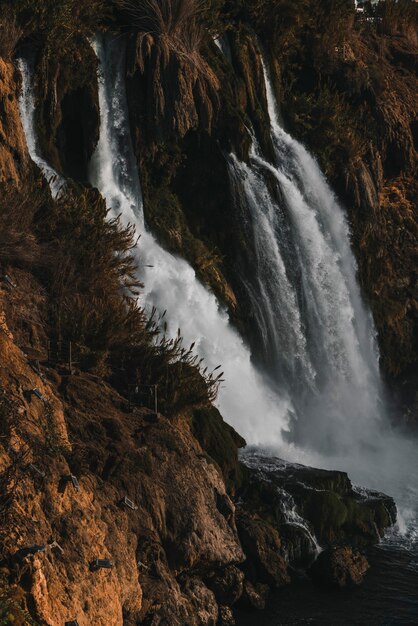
x: 226, y: 617
x: 227, y: 585
x: 254, y: 596
x: 13, y: 152
x: 179, y: 527
x: 339, y: 567
x: 262, y: 546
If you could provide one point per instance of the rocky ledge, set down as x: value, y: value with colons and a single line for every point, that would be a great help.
x: 301, y: 513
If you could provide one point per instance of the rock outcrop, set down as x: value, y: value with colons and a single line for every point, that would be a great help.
x: 181, y: 527
x: 339, y: 567
x: 325, y: 501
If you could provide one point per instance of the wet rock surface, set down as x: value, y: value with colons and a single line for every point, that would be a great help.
x: 317, y: 502
x: 339, y: 567
x: 262, y: 545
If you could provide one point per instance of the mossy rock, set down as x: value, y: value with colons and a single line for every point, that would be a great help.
x: 367, y: 520
x: 221, y: 442
x: 327, y: 512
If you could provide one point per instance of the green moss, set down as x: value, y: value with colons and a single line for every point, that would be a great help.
x: 220, y: 441
x: 327, y: 512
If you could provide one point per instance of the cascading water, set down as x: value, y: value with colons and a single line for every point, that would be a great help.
x: 318, y: 337
x: 27, y: 114
x: 317, y: 334
x: 171, y: 284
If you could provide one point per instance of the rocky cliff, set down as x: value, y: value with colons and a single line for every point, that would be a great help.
x: 86, y: 477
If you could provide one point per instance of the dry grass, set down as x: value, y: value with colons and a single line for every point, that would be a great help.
x: 173, y: 22
x: 177, y: 28
x: 400, y: 17
x: 18, y: 244
x: 182, y: 378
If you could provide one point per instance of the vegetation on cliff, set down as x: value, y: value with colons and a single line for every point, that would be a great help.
x: 84, y: 262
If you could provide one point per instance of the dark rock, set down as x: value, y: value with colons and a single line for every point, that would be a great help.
x: 226, y: 617
x: 227, y: 585
x: 220, y: 441
x: 254, y: 596
x: 326, y: 501
x: 297, y: 545
x: 262, y: 546
x: 339, y: 567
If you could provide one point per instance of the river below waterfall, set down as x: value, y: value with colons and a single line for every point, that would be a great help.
x: 388, y: 596
x: 389, y: 593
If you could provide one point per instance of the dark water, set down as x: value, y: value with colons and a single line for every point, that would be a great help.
x: 388, y: 597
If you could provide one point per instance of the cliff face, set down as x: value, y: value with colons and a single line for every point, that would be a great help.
x: 14, y: 161
x: 182, y: 526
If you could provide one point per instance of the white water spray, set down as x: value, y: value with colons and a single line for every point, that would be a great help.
x: 318, y: 336
x: 303, y: 243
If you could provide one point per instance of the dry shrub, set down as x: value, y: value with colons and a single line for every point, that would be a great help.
x: 182, y: 378
x: 56, y: 22
x: 18, y: 207
x: 175, y: 23
x: 88, y: 270
x: 176, y: 26
x: 92, y: 273
x: 398, y: 17
x: 94, y: 293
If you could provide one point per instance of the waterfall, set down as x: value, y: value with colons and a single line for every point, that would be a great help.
x: 27, y: 115
x: 317, y: 335
x: 245, y: 400
x: 320, y: 403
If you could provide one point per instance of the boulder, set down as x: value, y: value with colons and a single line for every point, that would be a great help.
x: 227, y: 585
x: 254, y: 596
x: 334, y: 511
x: 226, y: 617
x: 262, y: 546
x: 340, y: 567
